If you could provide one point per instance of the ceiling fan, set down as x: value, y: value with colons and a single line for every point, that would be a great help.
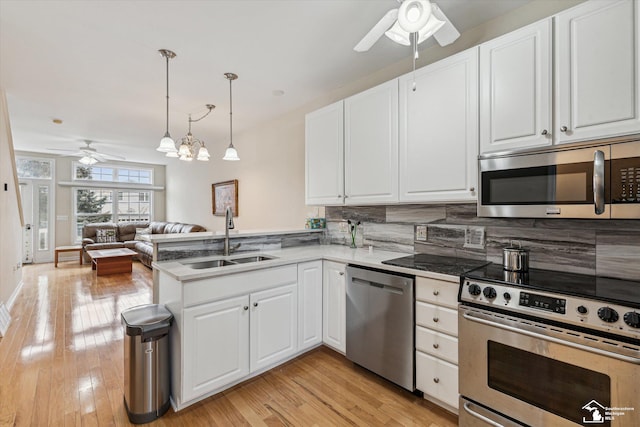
x: 411, y: 23
x: 89, y: 155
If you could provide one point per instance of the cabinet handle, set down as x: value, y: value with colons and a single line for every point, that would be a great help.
x: 436, y: 380
x: 255, y: 304
x: 436, y: 292
x: 472, y: 189
x: 544, y: 132
x: 435, y: 319
x: 345, y: 196
x: 436, y: 345
x: 246, y: 307
x: 342, y: 273
x: 564, y: 129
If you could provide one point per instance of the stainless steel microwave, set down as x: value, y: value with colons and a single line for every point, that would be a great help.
x: 595, y: 181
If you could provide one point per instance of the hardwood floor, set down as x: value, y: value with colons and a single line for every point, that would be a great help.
x: 61, y: 363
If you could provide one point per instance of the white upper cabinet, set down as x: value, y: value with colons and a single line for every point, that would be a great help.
x: 597, y: 69
x: 439, y: 130
x: 371, y: 145
x: 515, y: 89
x: 324, y: 145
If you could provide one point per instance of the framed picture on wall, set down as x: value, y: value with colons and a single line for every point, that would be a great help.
x: 225, y: 194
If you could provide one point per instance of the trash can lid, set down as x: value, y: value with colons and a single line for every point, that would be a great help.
x: 147, y: 316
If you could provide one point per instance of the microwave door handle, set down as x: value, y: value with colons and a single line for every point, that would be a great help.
x: 598, y: 181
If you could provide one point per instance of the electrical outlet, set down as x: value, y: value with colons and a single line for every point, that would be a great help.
x: 474, y: 237
x: 343, y: 227
x: 421, y: 233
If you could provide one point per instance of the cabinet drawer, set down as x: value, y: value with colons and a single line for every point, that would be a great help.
x: 436, y: 344
x: 437, y: 378
x: 440, y: 319
x: 437, y: 292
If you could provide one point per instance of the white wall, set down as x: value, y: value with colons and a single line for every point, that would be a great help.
x: 10, y: 211
x: 271, y: 169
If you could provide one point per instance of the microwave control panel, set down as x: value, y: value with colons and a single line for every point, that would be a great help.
x: 625, y: 180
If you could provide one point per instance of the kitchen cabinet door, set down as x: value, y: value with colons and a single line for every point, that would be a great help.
x: 597, y: 67
x: 324, y: 156
x: 309, y: 304
x: 216, y: 345
x: 334, y: 306
x: 515, y: 89
x: 439, y: 131
x: 273, y: 325
x: 371, y: 145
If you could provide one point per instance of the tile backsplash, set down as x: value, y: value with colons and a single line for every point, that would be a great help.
x: 604, y: 247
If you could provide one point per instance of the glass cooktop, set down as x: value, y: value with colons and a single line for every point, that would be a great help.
x: 625, y: 292
x: 438, y: 264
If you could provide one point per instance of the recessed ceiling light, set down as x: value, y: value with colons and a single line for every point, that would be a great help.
x: 57, y: 121
x: 278, y: 92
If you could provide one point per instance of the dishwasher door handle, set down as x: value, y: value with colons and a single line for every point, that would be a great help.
x: 382, y: 286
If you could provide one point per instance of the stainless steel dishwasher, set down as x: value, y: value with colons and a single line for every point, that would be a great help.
x: 380, y: 324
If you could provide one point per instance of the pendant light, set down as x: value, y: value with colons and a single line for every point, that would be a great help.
x: 167, y: 145
x: 189, y: 144
x: 231, y: 153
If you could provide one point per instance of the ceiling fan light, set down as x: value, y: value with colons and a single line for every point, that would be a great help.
x: 167, y: 145
x: 231, y: 154
x: 432, y: 26
x: 87, y: 160
x: 398, y: 35
x: 413, y: 15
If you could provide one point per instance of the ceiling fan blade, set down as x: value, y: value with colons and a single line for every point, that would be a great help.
x: 447, y: 34
x: 110, y: 156
x: 377, y: 31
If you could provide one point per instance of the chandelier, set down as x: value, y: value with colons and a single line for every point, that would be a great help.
x: 191, y: 147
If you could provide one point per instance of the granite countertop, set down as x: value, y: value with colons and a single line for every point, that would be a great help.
x: 337, y: 253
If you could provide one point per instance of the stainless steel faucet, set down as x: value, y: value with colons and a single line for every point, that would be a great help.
x: 228, y: 225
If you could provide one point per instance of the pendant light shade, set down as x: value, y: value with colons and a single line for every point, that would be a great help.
x: 167, y: 145
x: 231, y: 153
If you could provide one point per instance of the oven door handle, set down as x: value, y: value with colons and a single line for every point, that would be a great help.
x: 621, y: 357
x: 598, y: 181
x: 467, y: 408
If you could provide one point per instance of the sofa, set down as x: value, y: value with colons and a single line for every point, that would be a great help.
x: 108, y: 235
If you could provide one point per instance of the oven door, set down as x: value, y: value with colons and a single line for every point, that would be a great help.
x: 528, y: 372
x: 557, y: 184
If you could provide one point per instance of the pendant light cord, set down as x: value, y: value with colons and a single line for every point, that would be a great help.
x: 167, y: 58
x: 230, y: 115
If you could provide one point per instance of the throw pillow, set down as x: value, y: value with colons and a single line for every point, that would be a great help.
x: 111, y: 236
x: 141, y: 232
x: 101, y: 236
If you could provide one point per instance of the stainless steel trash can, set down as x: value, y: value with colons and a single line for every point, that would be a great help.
x: 147, y: 383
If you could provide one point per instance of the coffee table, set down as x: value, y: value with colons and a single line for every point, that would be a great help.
x: 111, y: 261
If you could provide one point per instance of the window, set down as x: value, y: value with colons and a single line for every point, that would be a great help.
x: 112, y: 174
x: 112, y: 204
x: 34, y: 168
x: 109, y: 205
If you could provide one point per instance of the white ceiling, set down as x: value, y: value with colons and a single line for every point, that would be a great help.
x: 95, y: 64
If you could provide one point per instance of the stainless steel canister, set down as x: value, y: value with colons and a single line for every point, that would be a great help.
x: 515, y: 259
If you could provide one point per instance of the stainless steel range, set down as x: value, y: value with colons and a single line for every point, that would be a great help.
x: 547, y: 348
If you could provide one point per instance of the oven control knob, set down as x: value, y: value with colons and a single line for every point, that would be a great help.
x: 474, y: 289
x: 607, y: 314
x: 632, y: 319
x: 582, y: 309
x: 489, y: 292
x: 506, y: 296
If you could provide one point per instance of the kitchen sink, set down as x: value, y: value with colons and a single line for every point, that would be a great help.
x: 256, y: 258
x: 210, y: 264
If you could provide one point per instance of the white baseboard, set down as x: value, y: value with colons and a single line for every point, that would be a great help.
x: 5, y: 319
x: 14, y: 295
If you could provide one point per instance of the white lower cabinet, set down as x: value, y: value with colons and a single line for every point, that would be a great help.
x: 309, y: 304
x: 334, y: 305
x: 273, y: 325
x: 437, y: 341
x: 209, y: 328
x: 437, y: 379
